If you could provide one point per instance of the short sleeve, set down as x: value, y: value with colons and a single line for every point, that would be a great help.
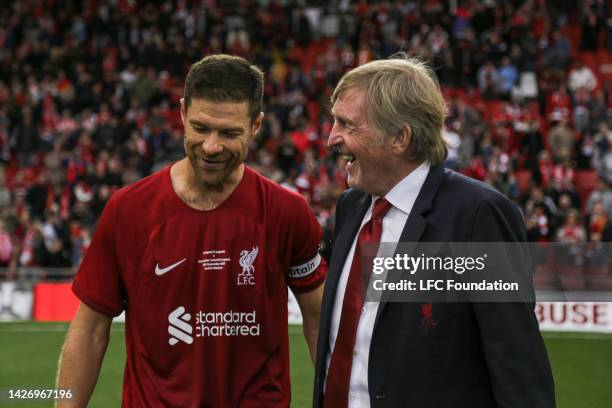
x: 97, y: 282
x: 307, y: 268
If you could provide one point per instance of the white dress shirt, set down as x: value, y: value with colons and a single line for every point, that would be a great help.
x: 402, y: 197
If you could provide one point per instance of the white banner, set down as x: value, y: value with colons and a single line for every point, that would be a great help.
x: 575, y: 316
x: 15, y: 303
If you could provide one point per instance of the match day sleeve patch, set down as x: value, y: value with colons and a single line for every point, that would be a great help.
x: 305, y: 269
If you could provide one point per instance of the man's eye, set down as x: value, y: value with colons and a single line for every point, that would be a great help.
x: 345, y: 125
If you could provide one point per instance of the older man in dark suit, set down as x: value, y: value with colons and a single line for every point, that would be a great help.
x: 389, y: 117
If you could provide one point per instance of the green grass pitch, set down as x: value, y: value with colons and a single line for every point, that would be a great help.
x: 582, y: 365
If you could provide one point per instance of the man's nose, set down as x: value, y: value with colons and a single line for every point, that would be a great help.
x: 211, y: 144
x: 335, y: 137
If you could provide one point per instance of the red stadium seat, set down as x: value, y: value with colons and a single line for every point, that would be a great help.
x: 523, y: 179
x: 604, y: 58
x: 573, y: 34
x: 585, y: 183
x: 599, y: 277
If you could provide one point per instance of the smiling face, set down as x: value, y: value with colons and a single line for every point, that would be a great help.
x: 371, y: 161
x: 217, y: 138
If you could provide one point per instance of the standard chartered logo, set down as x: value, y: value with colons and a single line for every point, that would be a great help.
x: 230, y: 323
x: 210, y: 324
x: 179, y: 329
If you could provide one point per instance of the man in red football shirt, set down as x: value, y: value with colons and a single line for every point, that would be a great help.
x: 199, y: 255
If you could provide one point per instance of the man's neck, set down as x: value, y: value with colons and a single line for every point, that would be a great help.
x: 402, y: 170
x: 197, y: 195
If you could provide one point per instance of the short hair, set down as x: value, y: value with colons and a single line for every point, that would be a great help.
x: 225, y: 78
x: 402, y: 91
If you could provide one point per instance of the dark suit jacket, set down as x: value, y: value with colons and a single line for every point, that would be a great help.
x: 479, y: 355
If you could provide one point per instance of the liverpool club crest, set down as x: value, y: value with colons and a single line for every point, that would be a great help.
x: 247, y: 259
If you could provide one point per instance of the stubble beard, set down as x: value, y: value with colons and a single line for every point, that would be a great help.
x: 219, y: 180
x: 200, y: 181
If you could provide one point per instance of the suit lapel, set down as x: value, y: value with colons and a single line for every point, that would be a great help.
x: 415, y: 226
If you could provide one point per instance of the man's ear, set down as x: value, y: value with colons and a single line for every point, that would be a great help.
x: 401, y: 141
x: 183, y: 110
x: 257, y: 122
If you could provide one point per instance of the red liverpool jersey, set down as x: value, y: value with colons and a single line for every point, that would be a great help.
x: 205, y: 292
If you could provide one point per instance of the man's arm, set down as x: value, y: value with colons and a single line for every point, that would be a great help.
x: 82, y: 355
x: 512, y: 344
x: 310, y: 306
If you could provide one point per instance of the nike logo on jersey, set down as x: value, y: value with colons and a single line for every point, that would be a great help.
x: 160, y: 271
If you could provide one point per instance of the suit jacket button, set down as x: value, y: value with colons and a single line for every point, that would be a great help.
x: 381, y: 396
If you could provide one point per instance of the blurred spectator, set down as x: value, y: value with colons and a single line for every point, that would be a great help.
x: 558, y: 104
x: 36, y: 196
x: 561, y: 141
x: 454, y: 145
x: 6, y: 246
x: 602, y: 158
x: 539, y: 200
x: 558, y: 53
x: 591, y: 26
x: 5, y: 194
x: 56, y: 239
x: 598, y: 109
x: 573, y: 234
x: 31, y: 251
x: 582, y: 113
x: 581, y: 77
x: 601, y: 194
x: 538, y: 225
x: 507, y: 76
x: 571, y: 231
x: 488, y: 80
x: 597, y: 219
x: 26, y: 139
x: 564, y: 206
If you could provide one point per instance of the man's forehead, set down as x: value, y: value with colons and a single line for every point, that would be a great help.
x: 229, y: 110
x: 350, y: 105
x: 224, y: 104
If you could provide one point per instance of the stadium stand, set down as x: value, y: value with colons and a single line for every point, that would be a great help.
x: 89, y: 97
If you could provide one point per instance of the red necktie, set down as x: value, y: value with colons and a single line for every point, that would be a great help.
x: 339, y: 373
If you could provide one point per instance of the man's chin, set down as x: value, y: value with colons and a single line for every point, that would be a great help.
x: 216, y: 180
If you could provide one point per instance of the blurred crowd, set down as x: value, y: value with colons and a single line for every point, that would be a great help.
x: 89, y: 102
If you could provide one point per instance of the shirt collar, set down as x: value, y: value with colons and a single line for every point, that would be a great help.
x: 404, y: 194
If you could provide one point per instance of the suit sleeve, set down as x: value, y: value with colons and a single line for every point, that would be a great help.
x: 516, y: 357
x: 307, y: 269
x: 97, y: 282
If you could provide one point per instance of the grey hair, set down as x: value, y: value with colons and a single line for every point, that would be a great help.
x: 402, y: 91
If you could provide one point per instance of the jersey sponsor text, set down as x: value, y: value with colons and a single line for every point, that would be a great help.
x: 216, y: 324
